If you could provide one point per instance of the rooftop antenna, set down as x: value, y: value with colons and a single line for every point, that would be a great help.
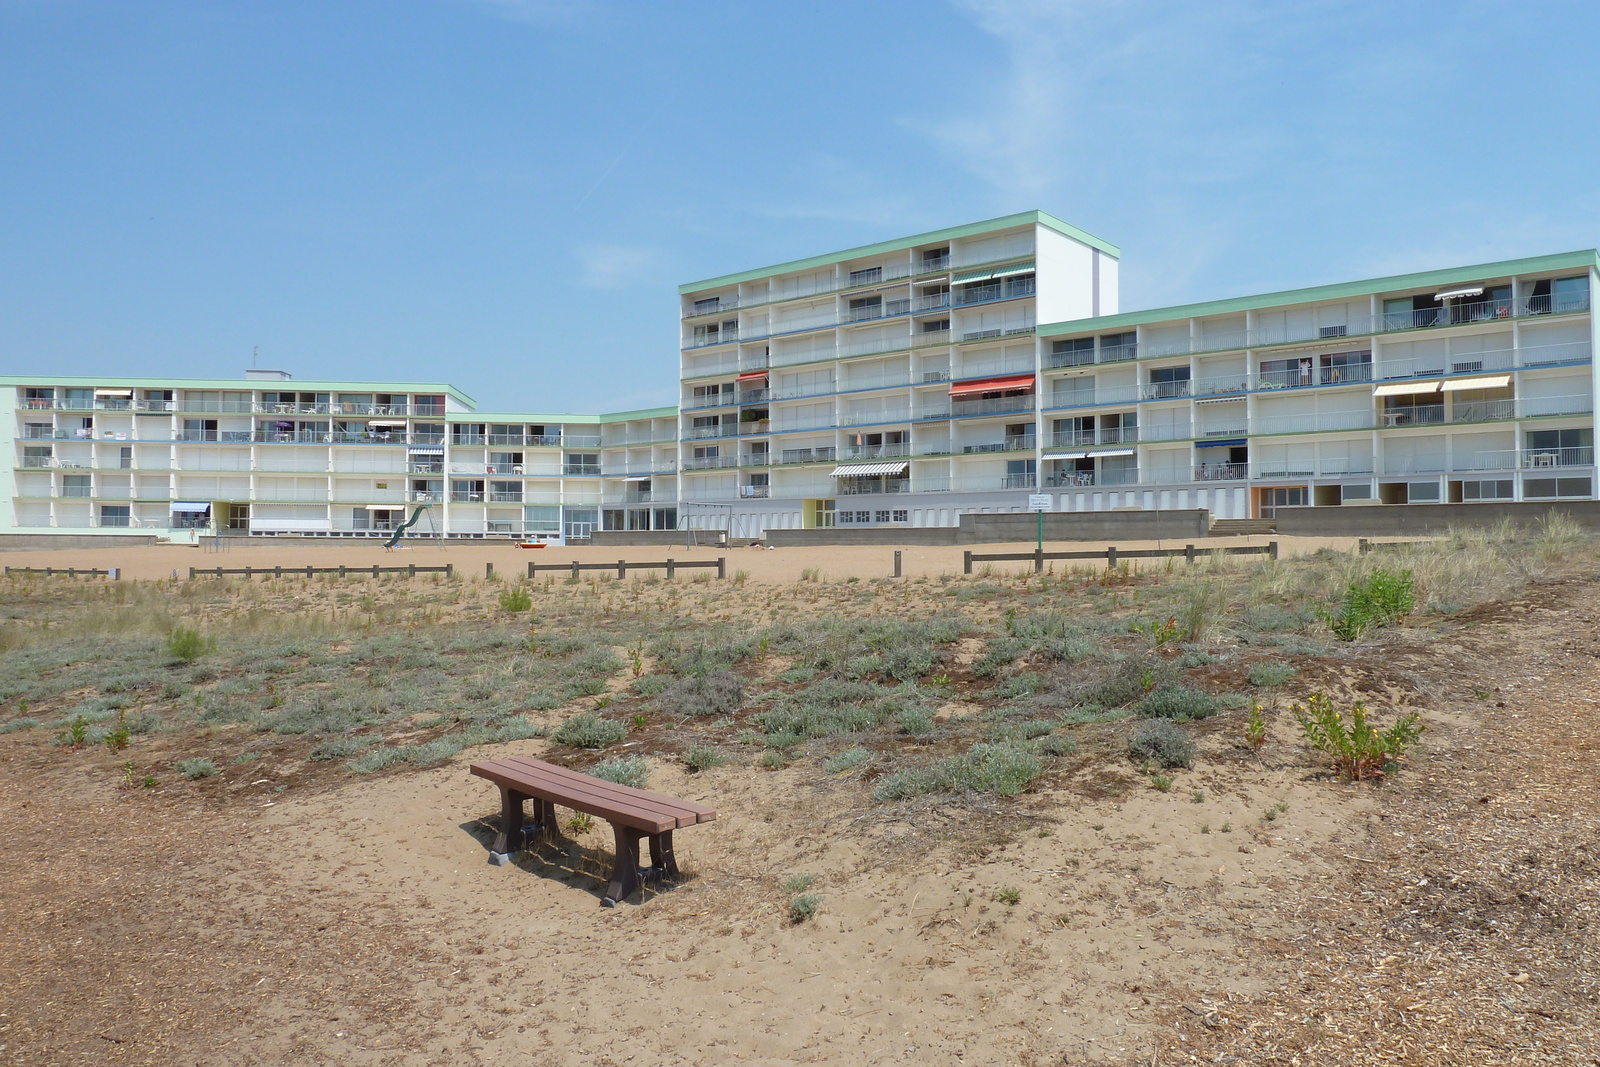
x: 255, y: 357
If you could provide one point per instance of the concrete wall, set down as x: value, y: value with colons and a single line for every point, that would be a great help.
x: 996, y: 529
x: 1422, y: 519
x: 602, y: 538
x: 28, y: 542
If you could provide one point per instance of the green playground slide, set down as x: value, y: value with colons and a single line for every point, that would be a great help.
x: 400, y: 531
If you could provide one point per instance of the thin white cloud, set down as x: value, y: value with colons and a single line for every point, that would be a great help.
x: 615, y: 266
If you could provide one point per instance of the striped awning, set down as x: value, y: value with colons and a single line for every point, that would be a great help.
x: 753, y: 376
x: 1002, y: 384
x: 190, y: 506
x: 425, y: 451
x: 387, y: 422
x: 852, y: 470
x: 1492, y: 381
x: 995, y: 272
x: 1406, y: 388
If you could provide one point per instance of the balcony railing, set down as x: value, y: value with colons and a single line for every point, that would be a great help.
x: 1418, y: 415
x: 1220, y: 472
x: 713, y: 306
x: 709, y: 463
x: 1065, y: 479
x: 706, y: 340
x: 292, y: 437
x: 875, y: 416
x: 703, y: 433
x: 1530, y: 458
x: 932, y: 302
x: 877, y: 451
x: 427, y: 438
x: 466, y: 439
x: 508, y: 438
x: 807, y: 455
x: 1008, y: 290
x: 1010, y: 444
x: 580, y: 468
x: 754, y: 492
x: 425, y: 496
x: 1483, y: 410
x: 872, y: 486
x: 504, y: 496
x: 998, y: 406
x: 1104, y: 435
x: 1164, y: 390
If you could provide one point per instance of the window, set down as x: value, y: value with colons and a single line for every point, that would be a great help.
x: 1168, y: 382
x: 1118, y: 346
x: 935, y: 325
x: 935, y: 258
x: 866, y: 276
x: 115, y: 515
x: 1487, y: 489
x: 583, y: 463
x: 1286, y: 373
x: 866, y: 307
x: 708, y: 305
x: 1074, y: 352
x: 1346, y: 367
x: 75, y: 485
x: 1571, y: 294
x: 1556, y: 487
x: 901, y: 516
x: 880, y: 516
x: 1560, y: 448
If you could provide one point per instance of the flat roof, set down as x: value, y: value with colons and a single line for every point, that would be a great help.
x: 603, y: 417
x: 1026, y: 218
x: 270, y: 384
x: 1586, y: 259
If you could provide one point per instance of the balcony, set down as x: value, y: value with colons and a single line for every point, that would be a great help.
x: 1010, y: 444
x: 713, y: 306
x: 1004, y: 405
x: 877, y: 451
x: 427, y: 438
x: 1164, y: 390
x: 871, y: 486
x: 1531, y: 459
x: 367, y: 437
x: 466, y: 496
x: 1069, y: 479
x: 1483, y: 410
x: 706, y: 433
x: 807, y: 455
x: 933, y: 264
x: 1226, y: 385
x: 710, y: 400
x: 876, y: 416
x: 580, y: 468
x: 1550, y: 305
x: 707, y: 340
x: 709, y: 463
x: 425, y: 496
x: 1220, y: 472
x: 295, y: 409
x: 1104, y: 435
x: 505, y: 496
x: 508, y: 439
x: 983, y: 294
x: 292, y: 437
x: 754, y: 492
x: 459, y: 440
x: 1418, y: 415
x: 933, y: 302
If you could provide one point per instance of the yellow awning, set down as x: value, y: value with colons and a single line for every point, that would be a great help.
x: 1492, y: 381
x: 1406, y: 388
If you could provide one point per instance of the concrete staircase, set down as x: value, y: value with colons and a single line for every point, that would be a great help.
x: 1243, y: 527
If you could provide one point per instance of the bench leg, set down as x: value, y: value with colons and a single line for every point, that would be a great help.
x: 509, y: 841
x: 663, y: 864
x: 625, y: 875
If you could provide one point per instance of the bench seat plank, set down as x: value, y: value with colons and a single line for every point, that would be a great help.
x: 686, y: 812
x: 636, y: 808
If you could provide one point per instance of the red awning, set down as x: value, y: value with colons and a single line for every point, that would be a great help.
x: 1005, y: 384
x: 753, y: 376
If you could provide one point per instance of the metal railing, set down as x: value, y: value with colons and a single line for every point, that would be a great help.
x: 1010, y: 444
x: 876, y: 415
x: 503, y: 496
x: 1164, y: 390
x: 1220, y: 472
x: 749, y: 492
x: 1011, y: 289
x: 712, y: 306
x: 1103, y: 435
x: 705, y: 433
x: 877, y: 451
x: 870, y: 486
x: 466, y: 439
x: 708, y: 463
x: 807, y: 455
x: 1482, y: 410
x: 1004, y: 405
x: 580, y: 468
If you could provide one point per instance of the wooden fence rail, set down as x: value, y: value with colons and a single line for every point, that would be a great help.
x: 114, y: 573
x: 622, y: 566
x: 1113, y: 555
x: 410, y: 571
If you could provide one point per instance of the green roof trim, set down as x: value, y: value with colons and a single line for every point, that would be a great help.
x: 269, y: 384
x: 569, y: 418
x: 1026, y: 218
x: 1587, y: 259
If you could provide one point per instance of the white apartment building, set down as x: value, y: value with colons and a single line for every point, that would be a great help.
x: 897, y: 384
x: 270, y: 456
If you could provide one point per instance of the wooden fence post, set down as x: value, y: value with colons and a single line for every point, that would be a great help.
x: 449, y: 570
x: 488, y: 570
x: 672, y: 568
x: 574, y: 570
x: 191, y: 573
x: 897, y: 563
x: 1111, y: 558
x: 1362, y: 547
x: 722, y: 566
x: 622, y: 568
x: 1038, y: 559
x: 1272, y: 549
x: 374, y: 570
x: 1188, y: 553
x: 966, y: 562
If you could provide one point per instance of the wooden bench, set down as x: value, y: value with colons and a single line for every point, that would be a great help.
x: 632, y: 813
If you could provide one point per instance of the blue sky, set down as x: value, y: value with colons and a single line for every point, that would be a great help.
x: 504, y: 194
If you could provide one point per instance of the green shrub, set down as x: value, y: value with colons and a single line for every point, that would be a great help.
x: 335, y: 748
x: 714, y: 693
x: 702, y: 757
x: 1003, y: 769
x: 1358, y: 749
x: 1382, y: 598
x: 651, y: 685
x: 24, y: 723
x: 376, y: 759
x: 803, y: 906
x: 1162, y: 741
x: 1177, y: 702
x: 847, y: 760
x: 623, y: 770
x: 1009, y: 895
x: 1269, y: 674
x: 1057, y: 745
x: 588, y: 730
x: 826, y: 709
x: 799, y: 882
x: 186, y: 645
x: 915, y: 720
x: 196, y: 768
x: 516, y: 600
